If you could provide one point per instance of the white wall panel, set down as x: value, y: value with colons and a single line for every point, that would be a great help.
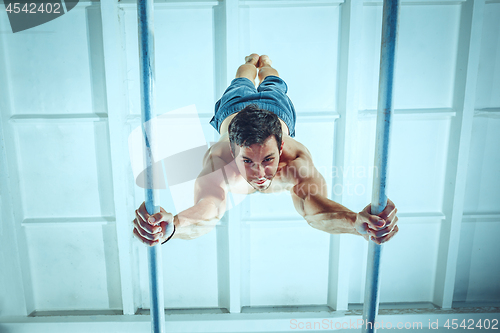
x: 408, y: 265
x: 482, y: 193
x: 288, y: 264
x: 183, y: 58
x: 417, y: 162
x: 426, y: 58
x: 49, y: 67
x: 417, y: 165
x: 189, y: 267
x: 488, y: 76
x: 357, y: 268
x: 64, y: 169
x: 74, y: 266
x: 189, y: 270
x: 476, y: 277
x: 477, y: 267
x: 302, y: 42
x: 269, y: 207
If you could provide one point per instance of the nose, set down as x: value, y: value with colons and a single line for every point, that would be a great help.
x: 260, y: 172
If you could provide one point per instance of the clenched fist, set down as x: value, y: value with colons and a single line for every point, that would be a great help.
x: 380, y: 228
x: 153, y: 229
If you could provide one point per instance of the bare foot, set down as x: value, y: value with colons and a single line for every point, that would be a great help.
x: 252, y: 59
x: 264, y: 60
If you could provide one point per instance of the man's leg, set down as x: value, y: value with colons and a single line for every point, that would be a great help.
x: 265, y: 69
x: 249, y: 68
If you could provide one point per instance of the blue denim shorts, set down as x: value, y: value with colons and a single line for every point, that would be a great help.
x: 270, y: 95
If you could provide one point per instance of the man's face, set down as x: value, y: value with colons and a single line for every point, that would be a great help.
x: 258, y: 164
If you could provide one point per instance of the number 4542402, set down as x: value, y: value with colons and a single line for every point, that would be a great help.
x: 32, y: 8
x: 470, y: 324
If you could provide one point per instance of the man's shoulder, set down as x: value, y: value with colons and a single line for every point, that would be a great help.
x: 219, y: 169
x: 297, y: 163
x: 295, y: 152
x: 220, y: 151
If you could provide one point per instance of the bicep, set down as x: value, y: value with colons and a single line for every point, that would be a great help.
x: 311, y: 187
x: 307, y: 184
x: 308, y: 180
x: 209, y: 191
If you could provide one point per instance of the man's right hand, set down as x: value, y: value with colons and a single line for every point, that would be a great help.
x: 153, y: 229
x: 379, y: 228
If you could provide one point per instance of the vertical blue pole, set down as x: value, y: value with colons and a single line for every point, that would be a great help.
x: 384, y: 118
x: 145, y: 10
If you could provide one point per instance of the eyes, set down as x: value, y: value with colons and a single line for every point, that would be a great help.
x: 265, y: 161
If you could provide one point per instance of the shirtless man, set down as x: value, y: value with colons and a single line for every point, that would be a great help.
x: 256, y: 152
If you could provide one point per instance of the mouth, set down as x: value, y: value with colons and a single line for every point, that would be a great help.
x: 260, y: 181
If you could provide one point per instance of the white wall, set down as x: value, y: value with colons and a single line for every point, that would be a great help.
x: 70, y: 97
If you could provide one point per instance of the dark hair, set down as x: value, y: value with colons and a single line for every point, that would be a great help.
x: 253, y: 125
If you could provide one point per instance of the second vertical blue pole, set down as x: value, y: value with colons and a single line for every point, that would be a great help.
x: 384, y: 117
x: 145, y: 9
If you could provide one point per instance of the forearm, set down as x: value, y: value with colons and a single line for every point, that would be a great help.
x: 326, y: 215
x: 197, y: 220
